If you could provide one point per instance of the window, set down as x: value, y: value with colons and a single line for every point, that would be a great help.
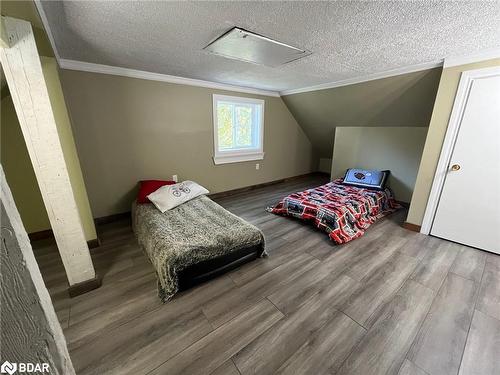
x: 238, y: 129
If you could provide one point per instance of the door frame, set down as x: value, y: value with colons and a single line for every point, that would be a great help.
x: 467, y: 78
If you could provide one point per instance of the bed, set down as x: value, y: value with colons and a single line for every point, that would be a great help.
x: 342, y: 211
x: 194, y: 242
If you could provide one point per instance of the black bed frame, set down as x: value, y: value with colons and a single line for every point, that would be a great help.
x: 211, y: 268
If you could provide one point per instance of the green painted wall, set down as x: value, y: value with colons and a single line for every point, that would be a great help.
x: 403, y: 100
x: 129, y: 129
x: 395, y: 148
x: 19, y: 171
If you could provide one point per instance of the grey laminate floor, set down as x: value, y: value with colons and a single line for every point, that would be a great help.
x: 390, y: 302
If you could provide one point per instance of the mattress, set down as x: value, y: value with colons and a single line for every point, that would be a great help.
x: 342, y: 211
x: 196, y: 233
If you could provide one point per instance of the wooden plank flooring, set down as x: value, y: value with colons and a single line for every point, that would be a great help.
x: 440, y: 343
x: 384, y: 346
x: 390, y: 302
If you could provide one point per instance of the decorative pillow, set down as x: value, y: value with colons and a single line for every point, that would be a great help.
x: 170, y: 196
x: 148, y: 187
x: 370, y: 179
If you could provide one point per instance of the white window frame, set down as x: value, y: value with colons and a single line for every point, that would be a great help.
x: 236, y: 156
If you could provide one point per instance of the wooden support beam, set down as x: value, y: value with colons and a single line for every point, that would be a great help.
x: 23, y: 71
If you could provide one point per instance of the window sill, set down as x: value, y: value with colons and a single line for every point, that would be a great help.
x: 238, y: 158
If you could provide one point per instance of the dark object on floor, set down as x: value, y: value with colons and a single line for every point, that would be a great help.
x: 342, y: 211
x: 208, y: 269
x: 193, y: 242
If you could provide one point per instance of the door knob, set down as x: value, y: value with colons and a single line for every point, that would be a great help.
x: 455, y: 167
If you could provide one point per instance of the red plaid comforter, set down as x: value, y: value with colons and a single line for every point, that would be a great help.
x: 343, y: 211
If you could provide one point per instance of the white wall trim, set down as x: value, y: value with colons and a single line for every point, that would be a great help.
x: 369, y: 77
x: 238, y: 158
x: 464, y: 87
x: 141, y: 74
x: 472, y: 58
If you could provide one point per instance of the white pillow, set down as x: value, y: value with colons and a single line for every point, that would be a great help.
x: 170, y: 196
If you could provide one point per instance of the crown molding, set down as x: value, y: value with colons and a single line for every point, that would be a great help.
x: 472, y: 58
x: 133, y: 73
x: 125, y: 72
x: 113, y: 70
x: 366, y: 78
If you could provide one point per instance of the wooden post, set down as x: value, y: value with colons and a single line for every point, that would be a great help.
x: 30, y: 329
x: 23, y: 71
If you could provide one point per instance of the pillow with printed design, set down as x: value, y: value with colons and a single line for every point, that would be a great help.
x: 366, y: 178
x: 171, y: 196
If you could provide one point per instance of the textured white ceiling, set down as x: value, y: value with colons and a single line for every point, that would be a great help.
x: 348, y: 39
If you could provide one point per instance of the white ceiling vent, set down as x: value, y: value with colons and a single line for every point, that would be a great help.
x: 244, y: 45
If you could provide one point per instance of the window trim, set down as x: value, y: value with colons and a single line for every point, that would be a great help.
x: 236, y: 156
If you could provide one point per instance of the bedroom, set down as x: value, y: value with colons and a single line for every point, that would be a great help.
x: 258, y: 253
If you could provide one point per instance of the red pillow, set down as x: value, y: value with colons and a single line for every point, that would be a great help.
x: 149, y: 186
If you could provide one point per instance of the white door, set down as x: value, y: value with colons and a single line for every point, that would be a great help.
x: 468, y: 211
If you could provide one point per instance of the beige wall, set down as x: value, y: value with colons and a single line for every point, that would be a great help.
x: 402, y: 100
x: 437, y: 129
x: 397, y: 149
x: 128, y: 129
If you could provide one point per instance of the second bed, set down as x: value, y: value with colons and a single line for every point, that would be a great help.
x: 342, y: 211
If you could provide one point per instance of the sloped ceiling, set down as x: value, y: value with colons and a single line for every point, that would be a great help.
x: 403, y: 100
x: 348, y: 39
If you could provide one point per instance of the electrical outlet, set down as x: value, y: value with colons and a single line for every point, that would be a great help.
x: 257, y: 166
x: 174, y: 178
